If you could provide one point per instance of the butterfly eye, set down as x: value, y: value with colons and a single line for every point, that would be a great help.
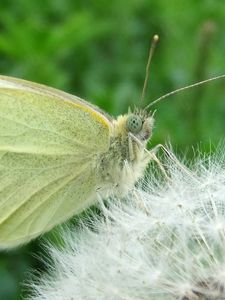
x: 134, y: 123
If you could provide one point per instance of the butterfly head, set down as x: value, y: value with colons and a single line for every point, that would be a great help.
x: 140, y: 124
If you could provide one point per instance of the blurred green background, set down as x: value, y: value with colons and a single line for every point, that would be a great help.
x: 98, y: 50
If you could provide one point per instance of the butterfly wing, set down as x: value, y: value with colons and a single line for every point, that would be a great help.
x: 48, y: 149
x: 15, y: 83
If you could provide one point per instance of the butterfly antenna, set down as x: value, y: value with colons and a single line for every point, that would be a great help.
x: 151, y: 52
x: 184, y: 88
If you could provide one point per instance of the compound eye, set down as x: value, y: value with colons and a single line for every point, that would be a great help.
x: 134, y: 124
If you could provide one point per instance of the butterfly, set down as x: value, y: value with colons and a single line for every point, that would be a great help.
x: 56, y: 152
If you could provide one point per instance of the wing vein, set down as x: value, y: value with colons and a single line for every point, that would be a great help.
x: 36, y: 129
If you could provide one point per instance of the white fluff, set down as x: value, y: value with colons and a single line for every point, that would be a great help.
x: 166, y: 241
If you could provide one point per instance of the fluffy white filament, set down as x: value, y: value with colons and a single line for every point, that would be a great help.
x: 165, y: 241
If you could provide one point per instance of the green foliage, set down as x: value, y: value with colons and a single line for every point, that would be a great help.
x: 98, y: 51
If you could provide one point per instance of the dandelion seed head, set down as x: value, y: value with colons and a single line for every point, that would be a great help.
x: 165, y: 241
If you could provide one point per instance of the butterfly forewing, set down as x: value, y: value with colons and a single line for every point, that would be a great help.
x: 48, y: 146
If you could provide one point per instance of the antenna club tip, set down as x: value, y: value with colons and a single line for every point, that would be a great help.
x: 155, y: 38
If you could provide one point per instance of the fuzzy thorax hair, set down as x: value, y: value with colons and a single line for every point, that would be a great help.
x: 125, y: 161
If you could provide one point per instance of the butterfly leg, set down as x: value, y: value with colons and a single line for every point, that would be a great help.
x: 130, y: 147
x: 173, y: 158
x: 152, y: 155
x: 139, y: 201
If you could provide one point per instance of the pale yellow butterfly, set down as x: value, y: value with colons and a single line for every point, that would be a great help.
x: 57, y: 152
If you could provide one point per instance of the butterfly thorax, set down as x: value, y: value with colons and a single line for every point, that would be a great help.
x: 123, y: 164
